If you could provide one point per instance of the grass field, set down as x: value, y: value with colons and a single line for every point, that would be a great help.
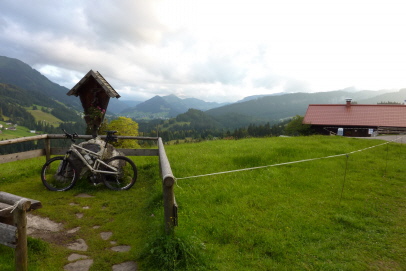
x: 342, y: 213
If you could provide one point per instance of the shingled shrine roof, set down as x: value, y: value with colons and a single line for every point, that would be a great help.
x: 100, y: 79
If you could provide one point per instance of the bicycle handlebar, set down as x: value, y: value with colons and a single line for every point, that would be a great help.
x: 110, y: 136
x: 70, y: 136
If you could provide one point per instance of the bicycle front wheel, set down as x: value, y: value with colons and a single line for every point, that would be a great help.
x: 59, y: 174
x: 123, y: 173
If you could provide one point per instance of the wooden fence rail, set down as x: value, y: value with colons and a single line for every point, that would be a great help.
x: 168, y: 180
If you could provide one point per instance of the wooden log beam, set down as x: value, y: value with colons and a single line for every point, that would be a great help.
x: 11, y: 199
x: 8, y: 235
x: 22, y: 139
x: 4, y: 210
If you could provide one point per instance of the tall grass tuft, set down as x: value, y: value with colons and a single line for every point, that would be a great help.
x: 175, y: 252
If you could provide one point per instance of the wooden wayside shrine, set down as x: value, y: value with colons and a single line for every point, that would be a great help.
x: 94, y: 92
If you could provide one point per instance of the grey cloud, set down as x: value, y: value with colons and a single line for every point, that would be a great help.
x: 222, y: 69
x: 293, y: 85
x: 269, y: 81
x: 123, y: 22
x: 40, y: 17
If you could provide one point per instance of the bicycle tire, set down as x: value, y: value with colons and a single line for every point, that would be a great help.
x: 59, y: 174
x: 127, y: 173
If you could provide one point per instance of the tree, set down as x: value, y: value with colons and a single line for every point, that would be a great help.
x: 124, y: 127
x: 296, y: 127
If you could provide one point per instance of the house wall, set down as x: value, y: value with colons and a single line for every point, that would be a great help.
x: 348, y: 130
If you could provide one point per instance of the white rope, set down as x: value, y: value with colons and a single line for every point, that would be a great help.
x: 12, y: 208
x: 286, y: 163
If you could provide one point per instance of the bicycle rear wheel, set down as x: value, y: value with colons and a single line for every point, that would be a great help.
x: 123, y: 173
x: 59, y: 174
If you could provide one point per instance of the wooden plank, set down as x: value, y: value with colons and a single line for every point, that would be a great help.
x: 62, y: 136
x: 128, y: 152
x: 8, y: 235
x: 59, y: 151
x: 6, y: 158
x: 11, y: 199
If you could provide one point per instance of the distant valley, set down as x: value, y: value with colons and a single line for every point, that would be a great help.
x: 23, y: 86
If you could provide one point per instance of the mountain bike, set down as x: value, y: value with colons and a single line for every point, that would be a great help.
x: 117, y: 173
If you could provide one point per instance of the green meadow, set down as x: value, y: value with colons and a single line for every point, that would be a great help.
x: 40, y: 115
x: 20, y: 131
x: 338, y: 213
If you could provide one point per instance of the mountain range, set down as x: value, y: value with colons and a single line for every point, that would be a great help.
x: 166, y: 107
x: 252, y: 109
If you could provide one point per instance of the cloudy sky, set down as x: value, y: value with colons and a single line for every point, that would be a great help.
x: 215, y: 50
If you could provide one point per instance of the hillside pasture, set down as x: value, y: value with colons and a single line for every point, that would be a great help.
x: 339, y: 213
x: 20, y: 131
x: 48, y: 118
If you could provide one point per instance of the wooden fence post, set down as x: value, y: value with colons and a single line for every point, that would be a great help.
x: 168, y: 180
x: 47, y: 148
x: 20, y: 221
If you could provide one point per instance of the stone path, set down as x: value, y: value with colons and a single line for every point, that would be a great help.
x: 44, y: 228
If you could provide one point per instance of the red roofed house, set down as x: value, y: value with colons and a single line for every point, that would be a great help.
x: 360, y: 120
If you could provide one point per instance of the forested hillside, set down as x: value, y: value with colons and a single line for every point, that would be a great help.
x: 279, y: 107
x: 18, y: 73
x: 27, y: 98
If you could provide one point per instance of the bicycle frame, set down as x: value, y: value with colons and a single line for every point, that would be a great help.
x: 97, y: 162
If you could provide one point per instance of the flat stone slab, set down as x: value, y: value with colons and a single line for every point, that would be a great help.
x: 73, y: 230
x: 79, y: 215
x: 40, y: 223
x: 82, y: 265
x: 74, y: 257
x: 83, y: 195
x: 126, y: 266
x: 79, y: 245
x: 106, y: 235
x: 121, y: 248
